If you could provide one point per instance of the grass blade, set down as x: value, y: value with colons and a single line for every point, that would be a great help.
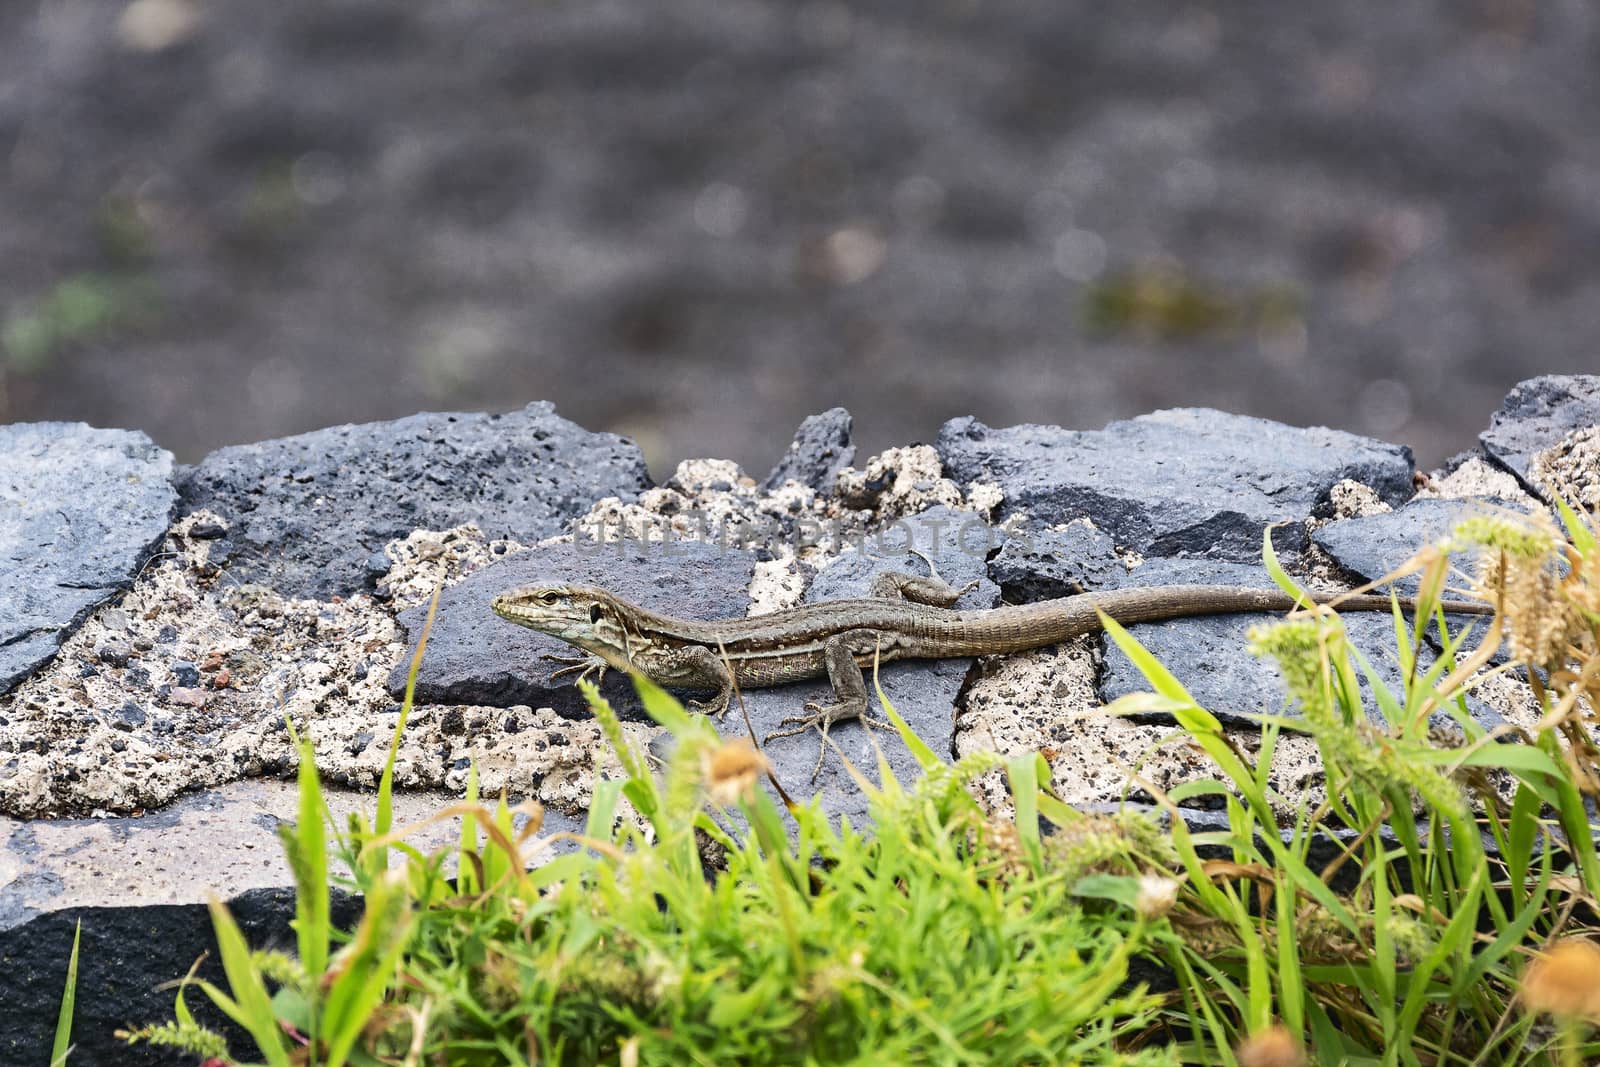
x: 309, y: 853
x: 252, y: 1008
x: 69, y: 997
x: 383, y: 821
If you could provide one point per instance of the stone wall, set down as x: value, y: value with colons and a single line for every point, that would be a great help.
x: 157, y: 624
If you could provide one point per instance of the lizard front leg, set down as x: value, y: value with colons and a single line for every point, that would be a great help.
x: 849, y: 690
x: 698, y: 667
x: 583, y: 666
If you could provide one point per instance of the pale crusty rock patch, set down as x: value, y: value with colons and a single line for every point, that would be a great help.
x: 1321, y: 571
x: 1478, y: 478
x: 899, y: 482
x: 426, y: 558
x: 1512, y: 697
x: 985, y: 498
x: 111, y: 727
x: 777, y: 584
x: 1570, y: 469
x: 183, y: 682
x: 1352, y: 499
x: 714, y: 502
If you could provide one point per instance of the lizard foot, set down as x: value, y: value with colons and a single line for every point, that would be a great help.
x: 717, y: 705
x: 933, y: 572
x: 582, y: 666
x: 823, y: 716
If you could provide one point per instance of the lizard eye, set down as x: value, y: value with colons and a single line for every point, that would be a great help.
x: 595, y: 613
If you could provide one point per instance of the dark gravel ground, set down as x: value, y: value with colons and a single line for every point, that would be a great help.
x: 696, y: 221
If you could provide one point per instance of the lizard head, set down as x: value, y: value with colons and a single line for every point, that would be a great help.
x: 581, y: 615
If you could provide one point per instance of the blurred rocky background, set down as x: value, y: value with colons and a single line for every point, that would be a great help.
x: 696, y: 221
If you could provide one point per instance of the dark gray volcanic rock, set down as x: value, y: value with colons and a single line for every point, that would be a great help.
x: 1186, y: 482
x: 1373, y: 545
x: 1047, y: 564
x: 126, y: 955
x: 1535, y: 415
x: 304, y: 514
x: 81, y: 509
x: 922, y: 692
x: 1208, y: 653
x: 476, y: 657
x: 820, y: 449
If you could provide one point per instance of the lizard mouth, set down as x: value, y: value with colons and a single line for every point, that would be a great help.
x: 505, y: 607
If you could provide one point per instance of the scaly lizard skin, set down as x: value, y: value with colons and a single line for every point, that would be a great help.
x: 906, y: 617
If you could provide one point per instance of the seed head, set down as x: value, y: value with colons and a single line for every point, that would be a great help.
x: 1566, y: 980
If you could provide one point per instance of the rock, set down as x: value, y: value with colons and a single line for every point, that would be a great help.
x: 188, y: 696
x: 207, y: 531
x: 129, y: 717
x: 375, y: 567
x: 476, y: 657
x: 1537, y: 414
x: 821, y: 448
x: 1184, y: 482
x: 113, y: 653
x: 1208, y: 653
x: 305, y: 514
x: 81, y: 510
x: 1373, y: 545
x: 139, y: 887
x: 1046, y: 564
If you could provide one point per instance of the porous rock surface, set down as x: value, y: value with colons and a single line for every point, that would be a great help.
x: 1537, y: 415
x: 307, y: 514
x: 1187, y: 482
x: 820, y: 450
x: 81, y: 509
x: 295, y: 577
x: 1206, y: 653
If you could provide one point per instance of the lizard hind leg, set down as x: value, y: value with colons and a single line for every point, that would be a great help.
x: 932, y: 590
x: 849, y: 687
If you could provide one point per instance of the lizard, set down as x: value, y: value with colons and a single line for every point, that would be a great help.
x: 906, y: 616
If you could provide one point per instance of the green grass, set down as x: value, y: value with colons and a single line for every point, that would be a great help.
x: 671, y: 931
x: 62, y: 1045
